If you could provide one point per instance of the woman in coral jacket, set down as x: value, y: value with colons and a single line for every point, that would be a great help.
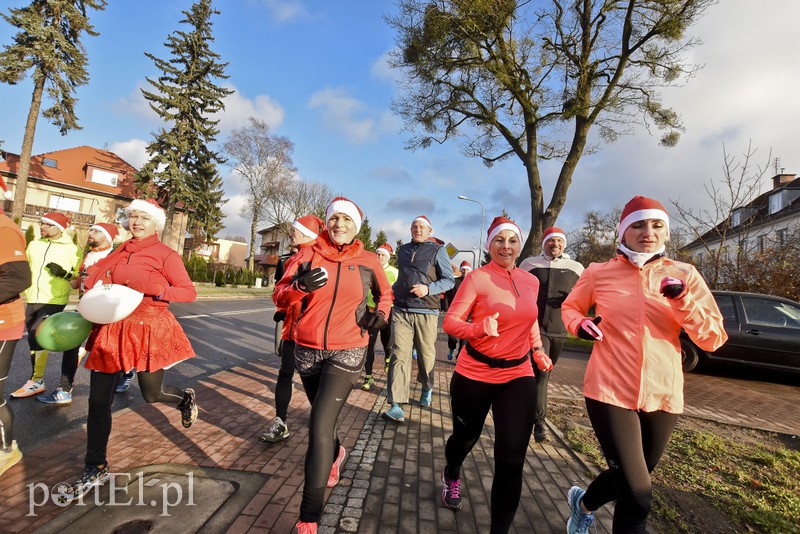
x: 633, y: 385
x: 149, y: 339
x: 494, y: 370
x: 331, y: 280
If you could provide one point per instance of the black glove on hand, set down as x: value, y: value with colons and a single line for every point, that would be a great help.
x: 312, y: 280
x: 588, y: 329
x: 57, y: 270
x: 375, y: 322
x: 672, y: 287
x: 279, y: 316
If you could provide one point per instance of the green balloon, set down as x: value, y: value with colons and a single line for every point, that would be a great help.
x: 63, y: 331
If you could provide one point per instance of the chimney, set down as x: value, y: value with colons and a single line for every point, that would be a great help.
x: 779, y: 180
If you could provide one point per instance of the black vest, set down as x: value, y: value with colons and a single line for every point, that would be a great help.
x: 416, y: 264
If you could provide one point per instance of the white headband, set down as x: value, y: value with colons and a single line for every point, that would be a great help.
x: 499, y: 228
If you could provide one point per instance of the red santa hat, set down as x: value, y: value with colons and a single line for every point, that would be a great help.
x: 498, y: 225
x: 8, y: 195
x: 465, y: 266
x: 150, y: 207
x: 424, y: 220
x: 109, y: 230
x: 346, y: 206
x: 640, y: 208
x: 553, y: 231
x: 59, y: 220
x: 386, y: 247
x: 309, y: 225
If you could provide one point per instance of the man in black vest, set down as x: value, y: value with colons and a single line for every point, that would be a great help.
x: 424, y: 273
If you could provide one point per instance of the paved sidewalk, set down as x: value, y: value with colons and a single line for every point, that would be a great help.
x: 218, y: 477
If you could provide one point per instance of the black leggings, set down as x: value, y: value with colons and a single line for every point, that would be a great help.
x: 513, y: 424
x: 6, y: 413
x: 552, y: 346
x: 632, y: 442
x: 283, y: 388
x: 327, y: 391
x: 102, y: 387
x: 385, y: 334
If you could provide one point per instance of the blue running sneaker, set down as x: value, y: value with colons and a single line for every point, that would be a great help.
x: 395, y: 413
x: 425, y: 398
x: 59, y: 396
x: 578, y: 522
x: 414, y: 354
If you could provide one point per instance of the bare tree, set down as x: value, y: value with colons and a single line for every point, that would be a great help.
x: 596, y: 241
x: 263, y: 162
x: 300, y: 198
x: 714, y: 228
x: 529, y: 80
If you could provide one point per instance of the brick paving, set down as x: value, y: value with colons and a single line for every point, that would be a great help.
x: 390, y: 482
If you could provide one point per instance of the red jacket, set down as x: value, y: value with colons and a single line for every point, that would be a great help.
x: 484, y: 292
x: 332, y: 317
x: 12, y: 254
x: 287, y: 332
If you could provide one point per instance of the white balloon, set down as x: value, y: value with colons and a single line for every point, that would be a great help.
x: 109, y: 303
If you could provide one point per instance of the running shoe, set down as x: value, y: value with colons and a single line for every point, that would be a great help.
x: 578, y: 522
x: 451, y: 492
x: 386, y: 365
x: 539, y: 433
x: 333, y: 478
x: 305, y: 528
x: 9, y: 458
x: 188, y: 407
x: 368, y: 383
x: 414, y: 354
x: 277, y: 432
x: 425, y: 398
x: 125, y: 383
x: 30, y: 389
x: 450, y: 354
x: 395, y: 413
x: 93, y: 476
x: 59, y: 396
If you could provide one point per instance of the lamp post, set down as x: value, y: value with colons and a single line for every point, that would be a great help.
x: 480, y: 237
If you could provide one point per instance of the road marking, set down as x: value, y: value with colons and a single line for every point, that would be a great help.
x: 225, y: 313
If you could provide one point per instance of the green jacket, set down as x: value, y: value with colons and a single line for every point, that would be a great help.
x: 46, y: 288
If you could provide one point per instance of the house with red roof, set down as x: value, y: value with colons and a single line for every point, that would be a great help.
x: 89, y: 185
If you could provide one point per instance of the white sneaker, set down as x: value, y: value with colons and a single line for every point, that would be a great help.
x: 30, y: 389
x: 9, y: 458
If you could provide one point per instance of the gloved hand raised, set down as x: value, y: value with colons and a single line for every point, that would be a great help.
x: 587, y: 329
x: 542, y: 360
x: 312, y: 280
x: 146, y: 287
x: 57, y: 270
x: 375, y: 322
x: 672, y: 287
x: 279, y: 316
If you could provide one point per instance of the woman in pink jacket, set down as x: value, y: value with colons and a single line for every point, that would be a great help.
x: 494, y: 370
x: 633, y: 385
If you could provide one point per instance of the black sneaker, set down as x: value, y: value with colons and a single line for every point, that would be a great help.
x: 93, y: 476
x: 451, y: 492
x: 188, y: 407
x: 539, y: 433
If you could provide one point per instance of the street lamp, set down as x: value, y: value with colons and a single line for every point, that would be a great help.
x: 480, y: 237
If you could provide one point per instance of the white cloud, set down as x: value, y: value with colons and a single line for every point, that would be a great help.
x: 382, y: 71
x: 134, y: 151
x: 286, y: 10
x: 235, y: 223
x: 351, y: 117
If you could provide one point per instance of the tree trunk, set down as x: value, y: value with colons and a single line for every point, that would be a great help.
x: 21, y: 186
x: 167, y: 231
x: 253, y: 232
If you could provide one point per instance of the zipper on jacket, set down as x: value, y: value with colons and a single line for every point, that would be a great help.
x: 642, y: 369
x: 330, y: 310
x: 513, y: 285
x: 38, y: 278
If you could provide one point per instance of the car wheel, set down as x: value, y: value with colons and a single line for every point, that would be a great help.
x: 689, y: 356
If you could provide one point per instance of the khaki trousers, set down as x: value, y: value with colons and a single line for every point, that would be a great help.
x: 410, y: 331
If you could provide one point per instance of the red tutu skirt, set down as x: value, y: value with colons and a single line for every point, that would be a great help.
x: 149, y: 339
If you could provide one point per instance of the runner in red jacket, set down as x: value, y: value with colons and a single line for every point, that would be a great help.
x: 494, y: 370
x: 331, y: 279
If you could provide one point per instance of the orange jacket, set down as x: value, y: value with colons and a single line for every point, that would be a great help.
x: 484, y: 292
x: 637, y: 365
x: 333, y: 316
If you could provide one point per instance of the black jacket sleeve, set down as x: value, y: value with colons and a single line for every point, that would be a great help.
x: 15, y: 277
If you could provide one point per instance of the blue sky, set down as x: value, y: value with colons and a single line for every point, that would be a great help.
x: 316, y: 72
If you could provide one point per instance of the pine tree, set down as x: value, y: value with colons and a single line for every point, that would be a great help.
x: 182, y: 167
x: 381, y: 239
x: 365, y: 235
x: 49, y: 42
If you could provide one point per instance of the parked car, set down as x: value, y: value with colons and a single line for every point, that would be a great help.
x: 763, y: 331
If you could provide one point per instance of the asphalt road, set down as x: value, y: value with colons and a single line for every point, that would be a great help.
x: 224, y: 334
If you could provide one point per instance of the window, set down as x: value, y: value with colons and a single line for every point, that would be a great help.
x: 782, y: 233
x: 726, y: 308
x: 100, y: 176
x: 120, y: 213
x: 58, y: 202
x: 775, y: 203
x: 736, y: 218
x: 760, y: 243
x: 48, y: 162
x: 765, y: 312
